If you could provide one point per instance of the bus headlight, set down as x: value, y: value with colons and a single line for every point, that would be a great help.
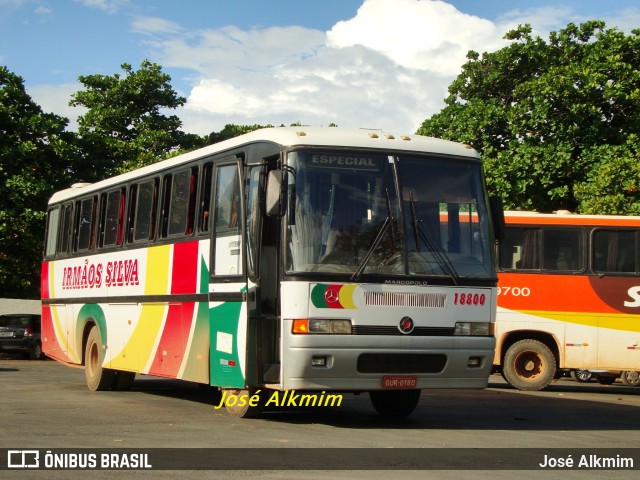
x: 482, y: 329
x: 321, y: 326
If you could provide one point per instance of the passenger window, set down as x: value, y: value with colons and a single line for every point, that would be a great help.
x: 205, y: 200
x: 113, y: 225
x: 65, y: 230
x: 520, y: 249
x: 227, y: 233
x: 52, y: 231
x: 179, y: 202
x: 615, y: 251
x: 146, y: 208
x: 85, y: 224
x: 562, y: 249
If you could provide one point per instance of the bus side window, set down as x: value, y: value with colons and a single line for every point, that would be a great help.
x: 227, y: 227
x: 145, y: 213
x: 113, y: 225
x: 181, y: 203
x: 520, y: 249
x: 562, y: 249
x: 65, y: 230
x: 52, y: 231
x: 84, y: 224
x: 205, y: 198
x: 614, y: 251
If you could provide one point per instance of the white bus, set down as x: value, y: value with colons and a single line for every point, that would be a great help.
x: 310, y: 259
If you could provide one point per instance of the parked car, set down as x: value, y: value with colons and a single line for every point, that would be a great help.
x: 630, y: 377
x: 21, y: 333
x: 603, y: 377
x: 581, y: 375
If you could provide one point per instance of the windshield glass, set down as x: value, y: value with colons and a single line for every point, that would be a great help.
x: 350, y: 213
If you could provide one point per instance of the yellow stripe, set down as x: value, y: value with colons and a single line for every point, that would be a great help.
x: 60, y: 333
x: 614, y: 321
x: 147, y: 329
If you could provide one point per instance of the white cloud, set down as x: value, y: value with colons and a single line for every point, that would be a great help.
x: 152, y: 25
x: 55, y: 98
x: 430, y: 35
x: 108, y: 6
x: 388, y: 67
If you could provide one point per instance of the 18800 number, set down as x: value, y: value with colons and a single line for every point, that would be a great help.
x: 471, y: 299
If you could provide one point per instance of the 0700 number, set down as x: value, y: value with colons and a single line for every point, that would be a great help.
x: 514, y: 291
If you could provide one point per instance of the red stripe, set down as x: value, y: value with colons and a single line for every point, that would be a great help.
x: 44, y: 281
x: 173, y: 342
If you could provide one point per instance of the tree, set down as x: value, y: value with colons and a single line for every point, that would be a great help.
x: 34, y: 153
x: 231, y: 131
x: 124, y: 128
x: 555, y: 121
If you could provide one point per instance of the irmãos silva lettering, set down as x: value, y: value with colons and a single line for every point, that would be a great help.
x: 117, y: 273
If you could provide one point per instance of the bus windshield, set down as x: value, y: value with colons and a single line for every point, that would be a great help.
x: 358, y: 213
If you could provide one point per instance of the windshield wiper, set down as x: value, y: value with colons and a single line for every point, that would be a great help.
x: 424, y: 234
x: 385, y: 225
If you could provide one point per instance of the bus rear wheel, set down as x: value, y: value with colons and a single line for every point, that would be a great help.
x: 97, y: 378
x: 395, y: 403
x: 529, y: 365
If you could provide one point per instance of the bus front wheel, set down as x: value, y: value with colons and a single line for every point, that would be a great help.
x: 98, y: 378
x: 394, y: 403
x: 529, y: 365
x: 247, y: 403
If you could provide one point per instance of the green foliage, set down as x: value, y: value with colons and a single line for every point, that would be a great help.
x: 33, y: 151
x: 231, y: 131
x: 554, y: 121
x: 124, y: 127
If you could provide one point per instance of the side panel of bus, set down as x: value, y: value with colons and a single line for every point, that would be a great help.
x: 149, y: 334
x: 594, y: 320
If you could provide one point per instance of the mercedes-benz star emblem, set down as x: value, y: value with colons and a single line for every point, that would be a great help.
x: 331, y: 296
x: 406, y: 325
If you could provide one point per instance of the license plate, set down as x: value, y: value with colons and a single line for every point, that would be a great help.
x: 399, y: 382
x: 6, y: 334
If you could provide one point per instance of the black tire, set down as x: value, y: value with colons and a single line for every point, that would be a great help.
x: 395, y: 403
x: 582, y: 376
x: 98, y: 378
x: 122, y: 380
x: 630, y: 378
x: 36, y: 352
x: 529, y: 365
x: 246, y: 410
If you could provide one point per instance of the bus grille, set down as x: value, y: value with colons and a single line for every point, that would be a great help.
x: 393, y: 330
x: 401, y: 362
x: 401, y: 299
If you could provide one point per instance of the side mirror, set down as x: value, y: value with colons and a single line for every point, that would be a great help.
x: 497, y: 213
x: 273, y: 201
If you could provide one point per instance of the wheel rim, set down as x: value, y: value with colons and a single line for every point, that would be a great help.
x: 529, y: 366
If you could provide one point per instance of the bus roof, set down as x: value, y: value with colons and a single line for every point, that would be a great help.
x: 566, y: 218
x: 288, y: 137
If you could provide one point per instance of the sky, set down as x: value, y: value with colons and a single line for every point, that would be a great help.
x: 382, y: 64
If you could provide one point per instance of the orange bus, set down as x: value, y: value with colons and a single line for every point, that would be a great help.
x: 568, y: 297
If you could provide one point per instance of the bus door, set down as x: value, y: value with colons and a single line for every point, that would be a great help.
x: 228, y: 288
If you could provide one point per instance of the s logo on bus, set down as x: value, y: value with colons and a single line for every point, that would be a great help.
x: 634, y: 293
